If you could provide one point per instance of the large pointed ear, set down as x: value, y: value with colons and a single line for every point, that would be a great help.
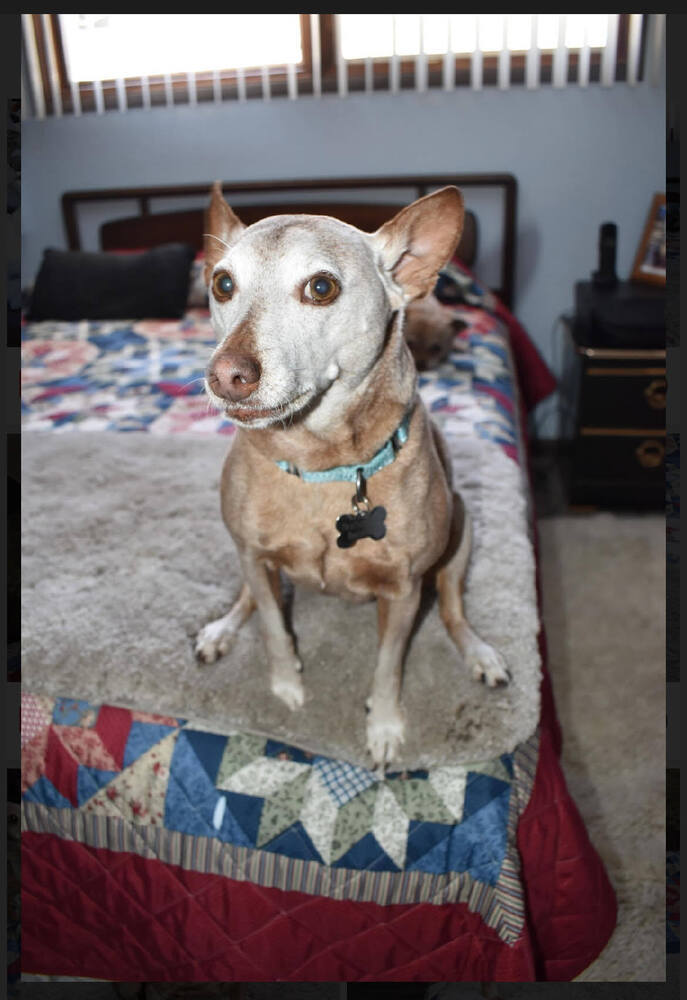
x: 417, y: 242
x: 222, y: 228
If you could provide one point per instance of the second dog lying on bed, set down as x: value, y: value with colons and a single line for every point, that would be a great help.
x: 430, y: 331
x: 336, y: 475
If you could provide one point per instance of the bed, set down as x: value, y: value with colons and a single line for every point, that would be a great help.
x: 158, y: 846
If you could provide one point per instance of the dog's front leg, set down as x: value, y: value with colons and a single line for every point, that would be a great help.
x: 385, y: 725
x: 485, y: 662
x: 285, y: 667
x: 216, y: 637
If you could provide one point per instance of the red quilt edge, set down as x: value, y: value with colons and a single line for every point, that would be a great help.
x: 571, y: 905
x: 217, y: 929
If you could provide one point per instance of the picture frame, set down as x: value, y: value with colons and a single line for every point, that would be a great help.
x: 650, y: 260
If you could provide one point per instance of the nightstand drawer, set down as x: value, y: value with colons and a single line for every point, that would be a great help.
x: 625, y: 468
x: 619, y: 396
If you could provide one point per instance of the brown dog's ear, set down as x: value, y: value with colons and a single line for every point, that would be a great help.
x: 418, y: 241
x: 222, y: 228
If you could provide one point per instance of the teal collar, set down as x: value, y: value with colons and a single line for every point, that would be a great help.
x: 349, y: 473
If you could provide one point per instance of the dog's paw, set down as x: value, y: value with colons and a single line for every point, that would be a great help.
x: 385, y: 734
x: 487, y: 664
x: 214, y: 640
x: 288, y: 686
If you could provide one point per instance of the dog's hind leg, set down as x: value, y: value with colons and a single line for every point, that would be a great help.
x: 485, y: 662
x: 216, y: 637
x: 385, y: 726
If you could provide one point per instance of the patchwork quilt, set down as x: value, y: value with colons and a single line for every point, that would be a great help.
x: 148, y: 376
x: 260, y: 812
x: 155, y: 850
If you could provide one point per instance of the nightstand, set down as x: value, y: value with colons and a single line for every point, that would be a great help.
x: 619, y: 445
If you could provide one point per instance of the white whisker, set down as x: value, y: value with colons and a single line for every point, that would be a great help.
x: 213, y: 237
x: 201, y: 378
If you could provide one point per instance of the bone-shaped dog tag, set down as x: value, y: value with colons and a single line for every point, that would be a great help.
x: 363, y: 524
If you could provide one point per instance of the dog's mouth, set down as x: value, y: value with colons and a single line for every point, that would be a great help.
x: 248, y: 416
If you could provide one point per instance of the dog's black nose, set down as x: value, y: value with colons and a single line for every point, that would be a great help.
x: 234, y: 376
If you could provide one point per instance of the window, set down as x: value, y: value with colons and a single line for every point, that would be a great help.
x: 76, y: 63
x: 371, y: 43
x: 101, y: 62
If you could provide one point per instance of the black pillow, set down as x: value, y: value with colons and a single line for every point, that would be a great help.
x: 73, y: 285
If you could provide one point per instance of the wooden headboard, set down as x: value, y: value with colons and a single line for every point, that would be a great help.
x: 150, y: 228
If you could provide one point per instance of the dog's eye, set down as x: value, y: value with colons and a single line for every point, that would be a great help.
x: 322, y: 289
x: 223, y: 286
x: 435, y: 348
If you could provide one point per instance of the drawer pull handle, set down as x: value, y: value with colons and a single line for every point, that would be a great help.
x: 650, y: 454
x: 655, y: 394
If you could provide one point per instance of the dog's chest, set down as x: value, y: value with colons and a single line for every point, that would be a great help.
x: 370, y: 568
x: 296, y: 525
x: 292, y: 525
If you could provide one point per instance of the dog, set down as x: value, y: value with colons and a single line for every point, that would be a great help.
x: 313, y: 369
x: 430, y: 332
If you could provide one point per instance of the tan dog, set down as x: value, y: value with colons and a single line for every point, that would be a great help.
x: 313, y: 368
x: 430, y: 332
